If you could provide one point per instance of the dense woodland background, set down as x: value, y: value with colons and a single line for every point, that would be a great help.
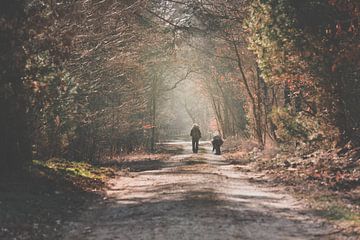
x: 84, y: 79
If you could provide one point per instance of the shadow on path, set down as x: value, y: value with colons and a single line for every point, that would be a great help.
x: 207, y: 199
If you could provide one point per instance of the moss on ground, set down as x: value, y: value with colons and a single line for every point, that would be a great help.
x: 36, y: 202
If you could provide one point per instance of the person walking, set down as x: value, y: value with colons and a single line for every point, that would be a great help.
x: 195, y: 137
x: 217, y: 142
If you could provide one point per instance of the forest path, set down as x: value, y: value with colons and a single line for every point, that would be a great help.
x: 195, y: 196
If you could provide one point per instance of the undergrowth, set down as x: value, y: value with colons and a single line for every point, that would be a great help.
x: 36, y: 202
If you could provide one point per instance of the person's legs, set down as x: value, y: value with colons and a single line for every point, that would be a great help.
x: 193, y: 145
x: 197, y: 146
x: 218, y: 152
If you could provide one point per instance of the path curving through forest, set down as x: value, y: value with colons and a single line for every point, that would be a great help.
x: 195, y: 196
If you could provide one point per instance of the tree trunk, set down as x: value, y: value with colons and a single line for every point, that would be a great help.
x: 15, y: 146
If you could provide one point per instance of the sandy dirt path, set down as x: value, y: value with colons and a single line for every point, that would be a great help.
x: 195, y: 196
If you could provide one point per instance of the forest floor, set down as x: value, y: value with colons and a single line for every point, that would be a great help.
x: 35, y: 203
x: 176, y: 194
x: 196, y: 196
x: 326, y: 181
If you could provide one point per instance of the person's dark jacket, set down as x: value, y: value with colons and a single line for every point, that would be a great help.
x: 217, y: 141
x: 195, y: 133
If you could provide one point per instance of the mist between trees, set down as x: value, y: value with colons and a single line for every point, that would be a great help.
x: 85, y: 79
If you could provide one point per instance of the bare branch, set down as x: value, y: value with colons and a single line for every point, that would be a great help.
x: 179, y: 81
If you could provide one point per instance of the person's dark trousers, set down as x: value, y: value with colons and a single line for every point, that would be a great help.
x: 217, y: 150
x: 195, y: 145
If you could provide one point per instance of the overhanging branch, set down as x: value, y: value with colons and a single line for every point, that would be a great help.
x: 179, y: 81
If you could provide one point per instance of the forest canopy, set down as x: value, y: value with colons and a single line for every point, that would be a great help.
x: 88, y: 79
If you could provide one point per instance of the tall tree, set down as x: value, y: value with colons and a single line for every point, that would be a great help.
x: 15, y: 146
x: 312, y: 46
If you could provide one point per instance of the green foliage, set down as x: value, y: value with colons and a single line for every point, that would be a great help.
x: 339, y: 213
x: 75, y: 169
x: 311, y: 46
x: 273, y: 36
x: 52, y: 93
x: 288, y: 126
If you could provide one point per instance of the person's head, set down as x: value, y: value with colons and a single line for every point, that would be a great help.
x: 195, y: 125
